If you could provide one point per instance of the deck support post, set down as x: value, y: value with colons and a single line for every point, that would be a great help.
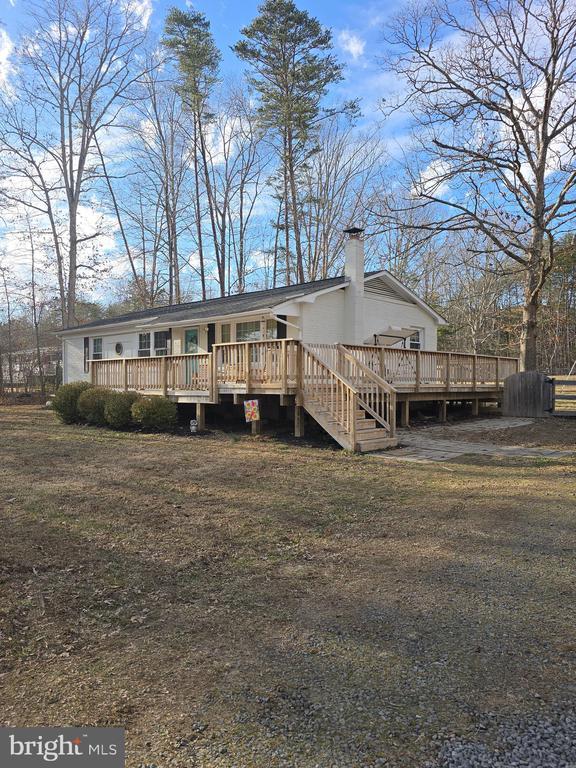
x: 298, y: 421
x: 256, y: 427
x: 442, y: 410
x: 201, y: 416
x: 92, y: 372
x: 125, y: 374
x: 405, y: 413
x: 475, y: 406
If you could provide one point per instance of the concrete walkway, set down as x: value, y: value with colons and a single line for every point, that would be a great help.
x: 431, y: 444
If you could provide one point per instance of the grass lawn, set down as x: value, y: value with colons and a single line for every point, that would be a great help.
x: 252, y: 603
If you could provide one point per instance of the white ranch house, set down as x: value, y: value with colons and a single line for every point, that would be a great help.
x: 345, y: 349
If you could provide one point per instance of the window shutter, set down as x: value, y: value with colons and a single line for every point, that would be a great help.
x: 211, y: 336
x: 282, y: 328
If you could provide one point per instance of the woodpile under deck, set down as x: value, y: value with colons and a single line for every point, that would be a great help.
x: 352, y: 391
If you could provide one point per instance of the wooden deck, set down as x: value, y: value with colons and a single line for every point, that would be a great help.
x: 351, y: 390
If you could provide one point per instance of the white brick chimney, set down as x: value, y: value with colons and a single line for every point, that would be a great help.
x: 354, y: 293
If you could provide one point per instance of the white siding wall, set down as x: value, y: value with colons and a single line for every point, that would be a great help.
x: 73, y: 351
x: 73, y: 360
x: 323, y: 321
x: 379, y: 313
x: 128, y: 340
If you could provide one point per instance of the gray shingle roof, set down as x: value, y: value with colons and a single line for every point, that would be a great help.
x: 228, y: 305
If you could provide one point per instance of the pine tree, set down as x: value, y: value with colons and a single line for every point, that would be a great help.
x: 187, y: 35
x: 289, y: 54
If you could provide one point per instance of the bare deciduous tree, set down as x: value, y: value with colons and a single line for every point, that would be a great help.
x: 492, y: 88
x: 74, y: 74
x: 335, y: 186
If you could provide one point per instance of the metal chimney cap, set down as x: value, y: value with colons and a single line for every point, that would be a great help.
x: 354, y: 231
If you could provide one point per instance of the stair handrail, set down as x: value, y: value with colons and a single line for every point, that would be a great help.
x: 390, y: 422
x: 368, y: 371
x: 327, y: 365
x: 345, y: 418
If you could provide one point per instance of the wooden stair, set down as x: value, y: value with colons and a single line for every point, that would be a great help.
x: 351, y: 413
x: 370, y: 436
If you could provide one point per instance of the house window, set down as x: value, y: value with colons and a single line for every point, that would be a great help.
x: 413, y: 342
x: 225, y: 333
x: 161, y: 342
x: 96, y: 349
x: 271, y: 329
x: 144, y: 345
x: 249, y: 331
x: 86, y: 353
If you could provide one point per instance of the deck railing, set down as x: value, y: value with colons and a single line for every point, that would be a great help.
x: 189, y: 373
x: 251, y: 366
x: 172, y: 373
x: 416, y: 370
x: 257, y: 365
x: 272, y: 366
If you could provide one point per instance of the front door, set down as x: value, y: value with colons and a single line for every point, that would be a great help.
x: 191, y: 341
x: 191, y: 348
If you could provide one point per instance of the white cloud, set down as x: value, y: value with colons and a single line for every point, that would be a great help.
x: 6, y: 48
x: 351, y: 43
x: 433, y: 179
x: 142, y: 9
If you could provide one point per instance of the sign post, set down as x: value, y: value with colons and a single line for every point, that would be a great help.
x: 252, y: 415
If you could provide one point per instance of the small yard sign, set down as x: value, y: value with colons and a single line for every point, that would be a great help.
x: 251, y: 410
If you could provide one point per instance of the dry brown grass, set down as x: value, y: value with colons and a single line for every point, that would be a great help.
x: 245, y: 602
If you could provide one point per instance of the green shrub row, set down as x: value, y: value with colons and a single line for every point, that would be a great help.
x: 82, y: 402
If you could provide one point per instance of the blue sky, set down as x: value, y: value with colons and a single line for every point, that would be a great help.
x: 356, y: 27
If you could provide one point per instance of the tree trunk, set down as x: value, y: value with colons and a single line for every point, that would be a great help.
x: 532, y: 289
x: 198, y: 211
x: 286, y: 210
x: 528, y: 338
x: 220, y: 260
x: 35, y: 313
x: 295, y: 214
x: 9, y: 323
x: 72, y: 269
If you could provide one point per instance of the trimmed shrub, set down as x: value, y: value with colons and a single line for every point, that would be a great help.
x: 155, y: 413
x: 65, y: 401
x: 91, y: 405
x: 118, y: 409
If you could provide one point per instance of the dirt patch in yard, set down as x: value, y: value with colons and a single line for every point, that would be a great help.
x: 251, y: 603
x: 555, y: 432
